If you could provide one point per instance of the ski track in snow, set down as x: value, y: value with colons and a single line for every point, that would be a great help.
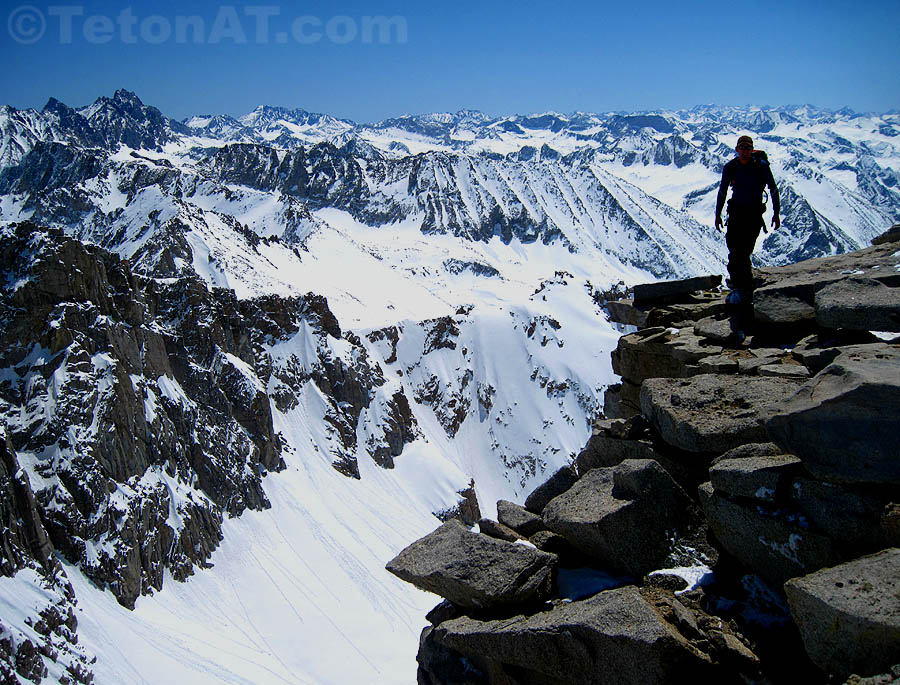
x: 269, y: 605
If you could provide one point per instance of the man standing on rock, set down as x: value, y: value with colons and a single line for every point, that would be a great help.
x: 748, y: 174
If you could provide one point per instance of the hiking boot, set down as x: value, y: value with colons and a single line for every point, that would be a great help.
x: 736, y: 339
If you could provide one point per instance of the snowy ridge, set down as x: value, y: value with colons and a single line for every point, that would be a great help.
x: 542, y: 177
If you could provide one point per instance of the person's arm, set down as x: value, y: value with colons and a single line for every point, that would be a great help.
x: 720, y: 198
x: 776, y: 200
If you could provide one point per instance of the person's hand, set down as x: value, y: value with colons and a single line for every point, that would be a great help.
x: 718, y: 223
x: 776, y: 222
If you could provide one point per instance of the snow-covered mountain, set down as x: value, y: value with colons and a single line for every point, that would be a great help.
x: 282, y: 345
x: 574, y: 178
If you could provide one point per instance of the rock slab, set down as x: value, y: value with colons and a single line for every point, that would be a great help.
x: 666, y: 290
x: 843, y: 422
x: 614, y: 637
x: 767, y: 540
x: 624, y: 311
x: 849, y: 615
x: 860, y: 304
x: 604, y: 450
x: 777, y: 307
x: 622, y: 516
x: 755, y: 477
x: 474, y: 571
x: 558, y: 483
x: 518, y: 518
x: 710, y: 412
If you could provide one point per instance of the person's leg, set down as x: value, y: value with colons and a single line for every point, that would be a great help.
x: 743, y: 231
x: 741, y: 241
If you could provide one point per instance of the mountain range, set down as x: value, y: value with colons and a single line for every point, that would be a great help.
x: 285, y: 345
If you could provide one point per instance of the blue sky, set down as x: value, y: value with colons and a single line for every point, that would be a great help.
x: 502, y: 58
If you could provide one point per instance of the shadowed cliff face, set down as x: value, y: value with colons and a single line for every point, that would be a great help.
x: 140, y: 411
x: 50, y: 626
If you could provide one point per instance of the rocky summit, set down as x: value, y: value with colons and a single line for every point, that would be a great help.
x: 735, y: 516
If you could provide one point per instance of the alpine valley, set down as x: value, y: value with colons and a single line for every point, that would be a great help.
x: 244, y: 362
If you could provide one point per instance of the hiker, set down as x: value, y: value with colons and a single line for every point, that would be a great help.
x: 748, y: 174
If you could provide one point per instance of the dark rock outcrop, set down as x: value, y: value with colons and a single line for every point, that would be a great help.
x: 102, y: 406
x: 149, y: 406
x: 23, y: 535
x: 474, y: 571
x: 49, y: 625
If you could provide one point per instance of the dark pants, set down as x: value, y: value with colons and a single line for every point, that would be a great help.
x: 744, y: 225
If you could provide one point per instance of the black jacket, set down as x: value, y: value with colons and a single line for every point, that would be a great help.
x: 748, y: 182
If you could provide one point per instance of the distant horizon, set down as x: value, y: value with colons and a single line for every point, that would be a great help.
x: 560, y: 112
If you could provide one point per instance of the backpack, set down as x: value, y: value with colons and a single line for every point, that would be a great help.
x: 759, y: 158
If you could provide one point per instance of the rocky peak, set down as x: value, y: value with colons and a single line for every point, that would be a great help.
x: 279, y: 125
x: 219, y: 126
x: 70, y: 124
x: 127, y: 99
x: 124, y: 119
